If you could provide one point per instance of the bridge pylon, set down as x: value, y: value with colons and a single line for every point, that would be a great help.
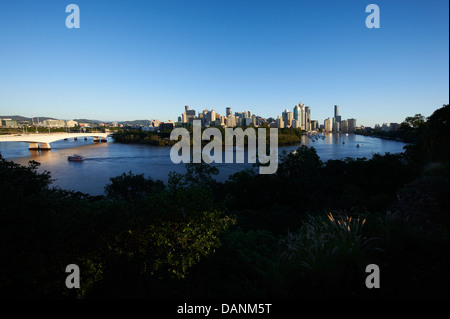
x: 42, y: 146
x: 33, y: 146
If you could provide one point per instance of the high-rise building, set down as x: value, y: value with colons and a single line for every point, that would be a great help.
x: 290, y: 118
x: 223, y: 120
x: 280, y: 122
x: 336, y: 125
x: 344, y: 126
x: 212, y: 115
x: 231, y: 121
x: 337, y: 118
x: 287, y: 117
x: 188, y: 115
x: 297, y: 113
x: 240, y: 114
x: 228, y: 111
x: 328, y: 124
x: 307, y: 118
x: 302, y: 116
x: 351, y: 125
x: 284, y: 115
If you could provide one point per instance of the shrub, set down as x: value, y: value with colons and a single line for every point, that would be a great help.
x: 330, y: 251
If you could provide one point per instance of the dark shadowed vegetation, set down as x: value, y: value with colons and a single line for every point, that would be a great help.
x: 307, y: 231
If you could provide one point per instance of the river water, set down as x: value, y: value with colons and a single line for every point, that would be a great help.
x: 106, y: 160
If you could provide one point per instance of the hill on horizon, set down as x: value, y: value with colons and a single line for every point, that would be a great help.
x: 43, y: 118
x: 24, y: 119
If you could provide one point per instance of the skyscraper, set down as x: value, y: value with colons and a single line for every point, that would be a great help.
x: 336, y: 125
x: 344, y: 126
x: 297, y: 113
x: 228, y: 111
x: 302, y: 116
x: 231, y: 120
x: 287, y: 118
x: 328, y: 123
x: 280, y: 122
x: 336, y: 119
x: 351, y: 125
x: 307, y: 118
x: 212, y: 115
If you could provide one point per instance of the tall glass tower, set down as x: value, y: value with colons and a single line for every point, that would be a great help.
x: 336, y: 111
x: 297, y: 113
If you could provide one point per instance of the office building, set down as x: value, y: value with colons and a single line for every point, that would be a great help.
x: 307, y: 118
x: 280, y: 122
x: 351, y: 125
x: 297, y: 113
x: 328, y: 125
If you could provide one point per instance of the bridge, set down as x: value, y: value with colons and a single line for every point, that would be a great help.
x: 42, y: 140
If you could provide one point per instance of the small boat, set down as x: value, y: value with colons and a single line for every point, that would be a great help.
x: 357, y: 145
x: 343, y: 142
x: 75, y: 158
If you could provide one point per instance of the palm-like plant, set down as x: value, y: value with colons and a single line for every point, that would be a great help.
x: 332, y: 246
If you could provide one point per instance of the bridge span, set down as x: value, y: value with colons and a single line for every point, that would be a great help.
x: 42, y: 140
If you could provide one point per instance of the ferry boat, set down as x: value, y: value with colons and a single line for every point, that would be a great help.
x: 75, y: 158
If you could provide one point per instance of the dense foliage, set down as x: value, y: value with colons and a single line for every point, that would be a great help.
x: 307, y: 231
x: 286, y: 136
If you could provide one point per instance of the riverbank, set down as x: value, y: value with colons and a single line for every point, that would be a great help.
x: 286, y: 137
x: 401, y: 135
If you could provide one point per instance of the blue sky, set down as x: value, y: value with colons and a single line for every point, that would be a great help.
x: 147, y: 59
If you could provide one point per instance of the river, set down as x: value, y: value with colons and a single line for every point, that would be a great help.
x: 106, y: 160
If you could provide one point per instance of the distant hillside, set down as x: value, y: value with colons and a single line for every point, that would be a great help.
x: 135, y: 123
x: 42, y: 118
x: 88, y: 121
x: 26, y: 119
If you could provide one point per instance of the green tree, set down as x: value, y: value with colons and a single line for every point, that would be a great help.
x: 302, y: 162
x: 132, y: 186
x: 413, y: 122
x: 436, y: 138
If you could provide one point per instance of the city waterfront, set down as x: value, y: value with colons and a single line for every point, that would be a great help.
x: 106, y: 160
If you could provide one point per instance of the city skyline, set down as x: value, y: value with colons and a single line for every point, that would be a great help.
x: 143, y: 60
x: 298, y: 112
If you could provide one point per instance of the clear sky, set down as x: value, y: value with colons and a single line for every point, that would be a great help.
x: 147, y: 59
